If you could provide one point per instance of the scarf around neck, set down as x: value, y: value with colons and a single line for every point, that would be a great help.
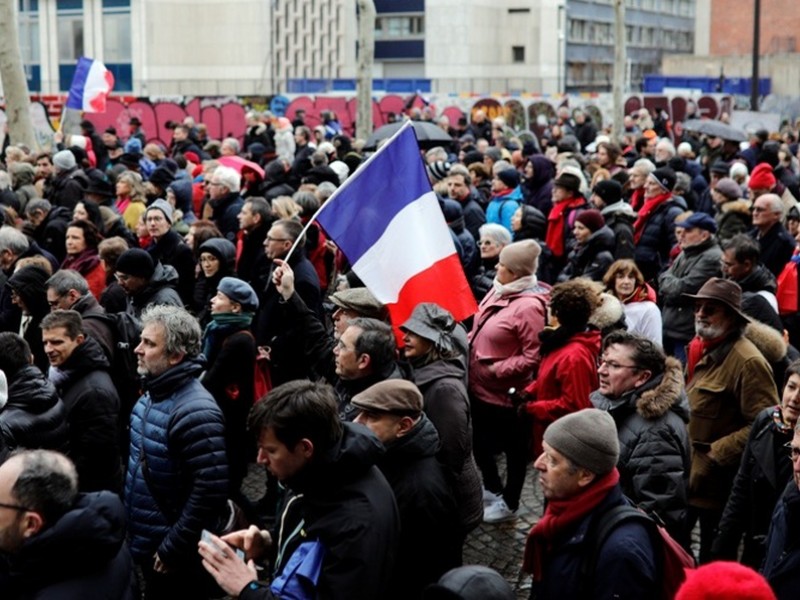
x: 557, y: 224
x: 513, y: 287
x: 221, y: 326
x: 558, y: 517
x: 650, y: 206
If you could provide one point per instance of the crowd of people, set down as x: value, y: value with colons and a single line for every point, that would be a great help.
x: 171, y: 315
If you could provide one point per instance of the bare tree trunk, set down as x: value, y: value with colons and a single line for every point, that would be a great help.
x: 15, y: 84
x: 366, y: 58
x: 620, y: 43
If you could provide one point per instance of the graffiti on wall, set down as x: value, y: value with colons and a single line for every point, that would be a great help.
x: 225, y: 116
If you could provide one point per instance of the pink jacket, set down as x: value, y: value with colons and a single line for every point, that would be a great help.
x: 505, y: 334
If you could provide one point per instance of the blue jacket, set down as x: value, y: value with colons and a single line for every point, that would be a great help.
x: 782, y: 563
x: 626, y: 567
x: 502, y: 208
x: 177, y: 427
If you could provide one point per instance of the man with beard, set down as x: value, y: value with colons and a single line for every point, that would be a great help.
x: 730, y: 382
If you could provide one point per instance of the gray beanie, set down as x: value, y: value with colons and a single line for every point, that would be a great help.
x: 64, y: 160
x: 588, y: 438
x: 162, y: 205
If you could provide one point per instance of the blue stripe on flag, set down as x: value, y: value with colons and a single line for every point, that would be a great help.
x: 75, y: 98
x: 360, y: 212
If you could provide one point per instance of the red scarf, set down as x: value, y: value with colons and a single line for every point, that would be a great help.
x: 637, y: 198
x: 83, y: 262
x: 642, y: 293
x: 557, y: 224
x: 650, y: 205
x: 697, y: 349
x: 558, y: 517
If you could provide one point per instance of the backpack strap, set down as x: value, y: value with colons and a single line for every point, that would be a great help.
x: 599, y: 532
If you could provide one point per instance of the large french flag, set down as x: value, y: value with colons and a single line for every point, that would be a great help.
x: 91, y: 85
x: 387, y: 222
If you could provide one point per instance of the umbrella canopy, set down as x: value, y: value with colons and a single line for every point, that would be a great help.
x: 715, y: 129
x: 428, y: 134
x: 238, y: 163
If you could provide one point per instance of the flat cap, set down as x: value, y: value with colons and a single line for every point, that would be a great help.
x: 395, y: 396
x: 360, y: 300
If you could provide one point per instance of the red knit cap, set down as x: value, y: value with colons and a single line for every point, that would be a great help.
x: 762, y: 178
x: 724, y: 580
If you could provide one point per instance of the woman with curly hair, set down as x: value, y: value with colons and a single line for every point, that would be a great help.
x: 131, y: 198
x: 566, y: 369
x: 625, y: 281
x: 81, y: 241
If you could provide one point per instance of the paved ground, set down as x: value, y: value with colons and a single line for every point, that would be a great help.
x: 497, y: 546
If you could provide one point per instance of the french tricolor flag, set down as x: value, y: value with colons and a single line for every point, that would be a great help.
x: 91, y: 85
x: 387, y: 222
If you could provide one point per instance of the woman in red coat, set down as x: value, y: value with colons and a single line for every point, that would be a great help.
x: 567, y: 371
x: 81, y: 242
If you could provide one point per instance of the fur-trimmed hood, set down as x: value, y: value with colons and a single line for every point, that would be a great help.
x: 768, y: 341
x: 740, y: 206
x: 655, y: 398
x: 609, y: 314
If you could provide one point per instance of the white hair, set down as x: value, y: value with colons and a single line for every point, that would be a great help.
x: 228, y: 177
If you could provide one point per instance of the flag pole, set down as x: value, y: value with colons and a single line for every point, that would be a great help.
x: 360, y: 168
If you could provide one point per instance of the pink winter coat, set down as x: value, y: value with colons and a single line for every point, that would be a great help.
x: 505, y: 334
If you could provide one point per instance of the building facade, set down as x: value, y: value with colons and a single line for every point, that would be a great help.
x: 263, y: 47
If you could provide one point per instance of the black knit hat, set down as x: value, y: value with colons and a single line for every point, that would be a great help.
x: 609, y: 191
x: 136, y: 262
x: 665, y: 177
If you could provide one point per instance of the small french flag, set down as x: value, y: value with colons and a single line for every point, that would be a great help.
x: 91, y: 85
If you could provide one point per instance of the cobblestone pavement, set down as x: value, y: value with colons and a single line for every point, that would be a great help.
x: 497, y: 546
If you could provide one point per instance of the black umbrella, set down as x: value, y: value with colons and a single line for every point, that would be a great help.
x: 428, y: 134
x: 715, y: 129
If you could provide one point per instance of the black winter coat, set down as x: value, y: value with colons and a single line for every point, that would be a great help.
x: 430, y: 532
x: 657, y: 239
x: 82, y: 555
x: 447, y: 406
x: 591, y: 259
x: 759, y: 483
x: 654, y: 458
x: 619, y: 219
x: 67, y: 188
x: 777, y: 247
x: 159, y: 290
x: 782, y: 563
x: 33, y: 416
x: 171, y: 250
x: 92, y: 404
x: 52, y: 232
x: 348, y: 506
x: 626, y: 568
x: 226, y: 214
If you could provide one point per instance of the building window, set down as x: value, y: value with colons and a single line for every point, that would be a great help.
x: 518, y: 54
x: 117, y: 45
x: 399, y: 26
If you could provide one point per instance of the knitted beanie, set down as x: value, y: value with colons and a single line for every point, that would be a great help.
x: 591, y: 219
x: 588, y: 438
x: 64, y: 160
x: 510, y: 177
x: 521, y: 257
x: 729, y: 188
x: 723, y: 580
x: 162, y: 205
x: 136, y: 262
x: 762, y: 178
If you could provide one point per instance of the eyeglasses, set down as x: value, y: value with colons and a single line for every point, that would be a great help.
x: 14, y: 507
x: 486, y: 243
x: 794, y: 451
x: 707, y: 309
x: 613, y: 365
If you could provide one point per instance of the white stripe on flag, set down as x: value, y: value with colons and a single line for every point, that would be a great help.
x: 415, y: 240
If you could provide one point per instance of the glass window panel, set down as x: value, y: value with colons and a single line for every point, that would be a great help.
x: 117, y: 37
x: 70, y: 38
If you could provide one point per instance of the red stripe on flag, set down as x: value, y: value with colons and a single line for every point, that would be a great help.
x: 443, y: 283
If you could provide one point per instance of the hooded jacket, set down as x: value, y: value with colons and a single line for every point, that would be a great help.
x: 226, y: 214
x: 781, y: 565
x: 733, y: 217
x: 343, y: 502
x: 538, y: 190
x: 23, y: 175
x: 206, y: 287
x: 620, y: 217
x: 93, y: 407
x: 29, y: 284
x: 654, y: 458
x: 51, y: 233
x: 33, y: 416
x: 82, y: 555
x: 430, y: 532
x: 159, y: 290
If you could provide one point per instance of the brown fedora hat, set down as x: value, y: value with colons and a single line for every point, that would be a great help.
x: 722, y: 290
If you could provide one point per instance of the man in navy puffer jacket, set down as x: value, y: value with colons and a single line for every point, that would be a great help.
x: 177, y: 480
